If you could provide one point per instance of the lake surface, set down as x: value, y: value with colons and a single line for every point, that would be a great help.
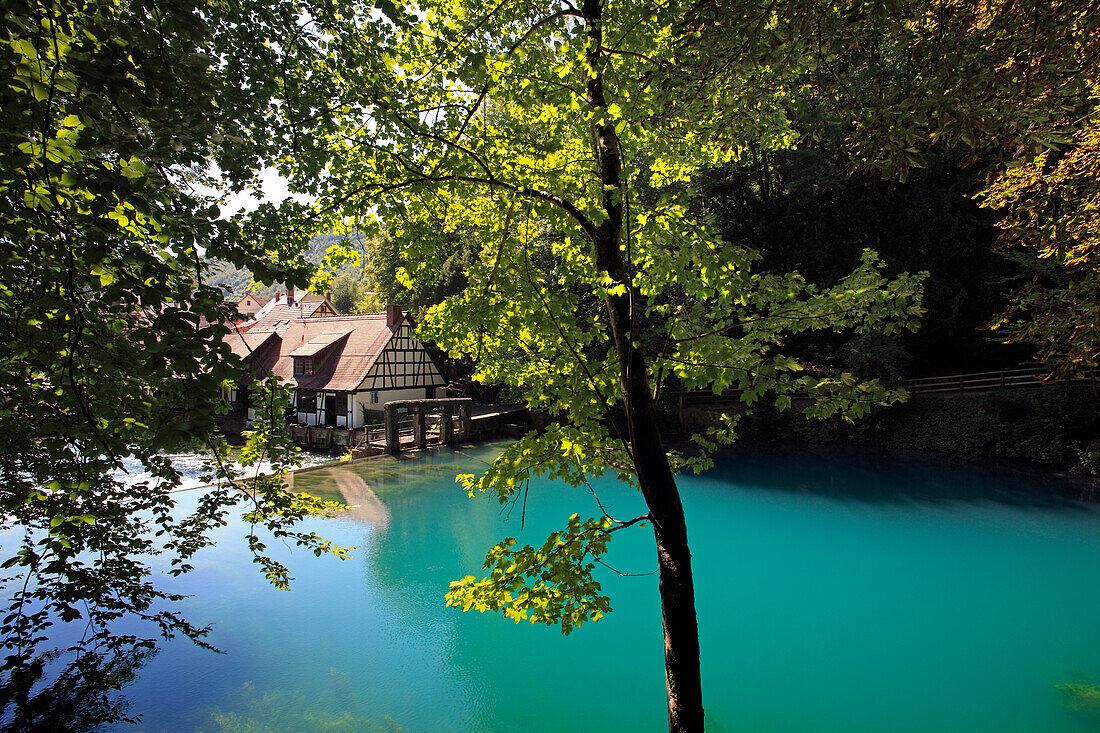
x: 838, y: 590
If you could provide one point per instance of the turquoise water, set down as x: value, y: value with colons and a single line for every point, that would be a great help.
x: 837, y: 591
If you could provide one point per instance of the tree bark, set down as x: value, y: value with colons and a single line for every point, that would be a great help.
x: 685, y: 695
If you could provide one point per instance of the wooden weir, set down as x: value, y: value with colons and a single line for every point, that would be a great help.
x: 418, y: 424
x: 447, y: 420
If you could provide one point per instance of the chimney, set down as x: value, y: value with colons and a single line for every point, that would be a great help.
x: 277, y: 296
x: 393, y: 315
x: 290, y: 296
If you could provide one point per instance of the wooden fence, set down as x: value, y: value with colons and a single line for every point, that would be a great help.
x: 984, y: 381
x: 707, y: 397
x: 1021, y: 377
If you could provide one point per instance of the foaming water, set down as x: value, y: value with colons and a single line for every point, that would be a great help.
x: 837, y: 591
x: 196, y: 469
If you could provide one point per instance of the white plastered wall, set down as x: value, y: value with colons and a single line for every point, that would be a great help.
x: 384, y: 396
x: 390, y: 395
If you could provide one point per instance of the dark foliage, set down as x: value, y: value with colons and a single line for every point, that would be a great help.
x: 804, y: 212
x: 1056, y: 426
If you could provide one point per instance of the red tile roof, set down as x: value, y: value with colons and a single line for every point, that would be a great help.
x: 282, y: 311
x: 319, y: 343
x: 249, y: 343
x: 261, y: 350
x: 345, y: 348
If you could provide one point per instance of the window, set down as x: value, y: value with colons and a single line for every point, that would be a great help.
x: 303, y: 367
x: 341, y: 403
x: 374, y: 398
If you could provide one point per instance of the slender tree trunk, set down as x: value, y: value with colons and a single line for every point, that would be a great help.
x: 685, y: 695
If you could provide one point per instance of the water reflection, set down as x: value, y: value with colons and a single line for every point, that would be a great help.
x: 883, y: 476
x: 339, y: 483
x: 803, y: 603
x: 50, y: 695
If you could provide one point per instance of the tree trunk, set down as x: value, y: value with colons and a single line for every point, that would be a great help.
x: 685, y: 695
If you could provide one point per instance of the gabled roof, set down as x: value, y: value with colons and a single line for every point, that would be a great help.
x: 277, y: 310
x: 247, y: 344
x: 344, y: 348
x: 258, y: 301
x: 280, y: 310
x: 261, y: 350
x: 344, y: 366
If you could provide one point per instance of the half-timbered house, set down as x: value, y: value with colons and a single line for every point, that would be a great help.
x: 343, y: 368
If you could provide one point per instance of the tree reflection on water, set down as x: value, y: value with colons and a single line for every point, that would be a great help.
x: 79, y: 689
x: 51, y: 695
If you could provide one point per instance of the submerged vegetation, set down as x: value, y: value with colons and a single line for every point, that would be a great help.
x: 1081, y: 696
x: 280, y: 711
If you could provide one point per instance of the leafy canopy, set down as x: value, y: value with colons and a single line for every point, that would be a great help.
x: 112, y: 114
x: 532, y: 128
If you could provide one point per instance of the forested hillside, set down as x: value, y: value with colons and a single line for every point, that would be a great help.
x: 235, y: 282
